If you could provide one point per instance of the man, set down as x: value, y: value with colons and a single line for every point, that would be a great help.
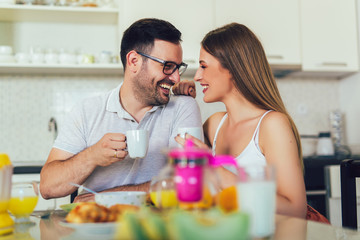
x: 91, y: 146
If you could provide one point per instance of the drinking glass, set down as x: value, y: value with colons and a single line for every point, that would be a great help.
x: 256, y: 194
x: 24, y: 197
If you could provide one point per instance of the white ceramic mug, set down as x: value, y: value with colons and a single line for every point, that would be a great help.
x: 137, y: 142
x: 193, y: 131
x: 256, y: 195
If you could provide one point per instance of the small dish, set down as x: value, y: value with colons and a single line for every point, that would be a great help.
x: 109, y: 199
x: 103, y: 229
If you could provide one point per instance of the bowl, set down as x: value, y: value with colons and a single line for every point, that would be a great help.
x: 109, y: 199
x: 6, y: 50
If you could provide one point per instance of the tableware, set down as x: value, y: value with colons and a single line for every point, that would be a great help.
x: 68, y: 207
x: 37, y: 58
x: 21, y: 57
x: 98, y: 229
x: 193, y: 131
x: 5, y: 50
x: 325, y: 145
x: 51, y: 58
x: 105, y: 57
x: 7, y: 2
x: 256, y: 194
x: 24, y: 197
x: 109, y: 199
x: 83, y: 187
x: 67, y: 58
x: 6, y: 170
x: 137, y: 142
x: 162, y: 189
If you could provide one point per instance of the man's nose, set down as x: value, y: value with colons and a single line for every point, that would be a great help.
x: 175, y: 76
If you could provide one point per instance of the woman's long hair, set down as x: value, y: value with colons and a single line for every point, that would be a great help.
x: 240, y: 51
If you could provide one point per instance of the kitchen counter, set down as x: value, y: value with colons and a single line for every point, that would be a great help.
x: 286, y: 228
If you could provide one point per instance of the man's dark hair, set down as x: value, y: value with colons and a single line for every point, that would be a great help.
x: 141, y: 34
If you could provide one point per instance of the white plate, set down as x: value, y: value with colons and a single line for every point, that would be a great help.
x: 106, y: 229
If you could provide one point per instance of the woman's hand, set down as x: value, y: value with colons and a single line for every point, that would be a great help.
x: 197, y: 142
x: 184, y: 87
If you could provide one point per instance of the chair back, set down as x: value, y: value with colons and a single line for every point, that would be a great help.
x: 349, y: 171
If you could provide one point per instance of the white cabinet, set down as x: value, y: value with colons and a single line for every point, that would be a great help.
x: 81, y: 29
x: 329, y: 35
x: 193, y: 18
x: 275, y: 22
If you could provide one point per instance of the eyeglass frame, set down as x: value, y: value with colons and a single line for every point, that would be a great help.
x: 165, y: 62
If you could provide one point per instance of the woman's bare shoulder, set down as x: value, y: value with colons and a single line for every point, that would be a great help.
x: 276, y: 133
x: 275, y: 120
x: 211, y: 124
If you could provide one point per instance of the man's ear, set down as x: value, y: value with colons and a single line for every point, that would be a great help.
x: 133, y: 61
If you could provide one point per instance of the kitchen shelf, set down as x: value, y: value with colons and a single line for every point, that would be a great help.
x: 83, y: 69
x: 63, y: 14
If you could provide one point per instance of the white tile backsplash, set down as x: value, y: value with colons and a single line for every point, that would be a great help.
x: 310, y: 101
x: 28, y: 102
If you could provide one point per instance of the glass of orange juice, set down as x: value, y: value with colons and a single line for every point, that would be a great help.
x: 24, y: 197
x: 162, y: 192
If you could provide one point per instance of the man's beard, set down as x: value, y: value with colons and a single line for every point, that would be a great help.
x: 147, y: 92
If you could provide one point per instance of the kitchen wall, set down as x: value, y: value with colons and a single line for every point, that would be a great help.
x: 28, y: 102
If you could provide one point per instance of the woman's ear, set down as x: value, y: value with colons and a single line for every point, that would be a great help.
x: 133, y: 61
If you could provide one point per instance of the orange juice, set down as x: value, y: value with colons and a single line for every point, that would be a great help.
x: 167, y: 198
x: 227, y: 199
x: 4, y: 205
x: 205, y: 203
x: 22, y: 206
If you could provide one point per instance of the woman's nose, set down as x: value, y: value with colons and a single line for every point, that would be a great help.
x: 198, y: 75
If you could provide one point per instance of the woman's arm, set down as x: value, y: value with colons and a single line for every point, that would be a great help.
x: 278, y: 144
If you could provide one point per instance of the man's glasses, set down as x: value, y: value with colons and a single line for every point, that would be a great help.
x: 169, y: 66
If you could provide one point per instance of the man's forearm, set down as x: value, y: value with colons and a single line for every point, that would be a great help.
x: 57, y: 174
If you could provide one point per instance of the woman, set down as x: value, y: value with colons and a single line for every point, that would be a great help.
x: 256, y: 127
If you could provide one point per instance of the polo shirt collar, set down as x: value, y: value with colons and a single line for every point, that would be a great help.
x: 113, y: 104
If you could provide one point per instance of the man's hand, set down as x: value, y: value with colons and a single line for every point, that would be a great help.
x: 109, y: 149
x: 185, y: 87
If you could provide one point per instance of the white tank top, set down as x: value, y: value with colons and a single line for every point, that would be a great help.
x: 252, y: 153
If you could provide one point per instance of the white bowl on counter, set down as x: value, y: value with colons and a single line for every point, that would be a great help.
x: 5, y: 50
x: 109, y: 199
x: 7, y: 2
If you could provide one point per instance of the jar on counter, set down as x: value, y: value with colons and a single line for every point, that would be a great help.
x: 325, y: 146
x: 309, y: 144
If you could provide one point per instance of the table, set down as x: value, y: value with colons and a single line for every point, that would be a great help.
x: 286, y: 228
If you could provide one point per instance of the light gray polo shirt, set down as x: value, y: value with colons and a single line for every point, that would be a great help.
x: 89, y: 121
